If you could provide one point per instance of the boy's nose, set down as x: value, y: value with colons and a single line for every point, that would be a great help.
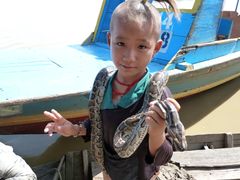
x: 130, y: 55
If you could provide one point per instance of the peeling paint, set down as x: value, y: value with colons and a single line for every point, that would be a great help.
x: 10, y: 110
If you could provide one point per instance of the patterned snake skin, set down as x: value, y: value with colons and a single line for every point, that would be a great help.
x: 131, y: 132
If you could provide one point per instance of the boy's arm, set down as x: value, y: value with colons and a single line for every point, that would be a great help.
x: 161, y: 139
x: 175, y: 129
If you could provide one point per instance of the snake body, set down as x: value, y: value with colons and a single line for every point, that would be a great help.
x: 131, y: 132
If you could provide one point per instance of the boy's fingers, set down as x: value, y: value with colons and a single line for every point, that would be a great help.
x: 175, y: 103
x: 57, y: 114
x: 46, y: 130
x: 155, y: 109
x: 48, y: 127
x: 51, y: 116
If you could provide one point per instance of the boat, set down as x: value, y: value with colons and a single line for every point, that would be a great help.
x: 208, y: 156
x: 198, y: 52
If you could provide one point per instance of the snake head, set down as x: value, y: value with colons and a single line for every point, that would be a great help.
x: 157, y: 83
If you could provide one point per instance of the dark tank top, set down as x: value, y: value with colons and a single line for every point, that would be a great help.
x: 141, y: 165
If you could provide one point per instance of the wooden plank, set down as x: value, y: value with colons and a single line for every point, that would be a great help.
x: 69, y: 164
x: 60, y: 171
x: 228, y: 140
x: 212, y: 158
x: 202, y: 164
x: 236, y: 140
x: 46, y: 171
x: 87, y: 171
x: 233, y: 173
x: 74, y: 165
x: 196, y: 142
x: 210, y: 164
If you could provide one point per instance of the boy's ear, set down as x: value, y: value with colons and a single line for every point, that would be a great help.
x: 109, y: 38
x: 158, y: 46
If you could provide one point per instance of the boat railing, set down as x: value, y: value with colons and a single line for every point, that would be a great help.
x: 183, y: 58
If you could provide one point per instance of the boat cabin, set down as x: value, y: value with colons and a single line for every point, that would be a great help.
x: 200, y: 23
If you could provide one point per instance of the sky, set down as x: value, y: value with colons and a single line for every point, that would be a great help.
x: 230, y: 5
x: 28, y: 23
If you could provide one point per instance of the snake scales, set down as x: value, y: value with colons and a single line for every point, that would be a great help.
x: 131, y: 132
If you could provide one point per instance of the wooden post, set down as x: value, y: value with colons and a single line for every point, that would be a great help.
x: 228, y: 140
x: 87, y: 171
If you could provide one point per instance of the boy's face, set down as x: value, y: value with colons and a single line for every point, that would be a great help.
x: 133, y: 45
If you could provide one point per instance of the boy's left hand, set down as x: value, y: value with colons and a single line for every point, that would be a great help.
x: 157, y: 125
x: 155, y: 117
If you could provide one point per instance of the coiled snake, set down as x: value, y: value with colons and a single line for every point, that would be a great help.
x: 131, y: 132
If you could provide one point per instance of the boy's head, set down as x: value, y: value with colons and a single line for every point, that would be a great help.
x: 141, y: 12
x: 134, y: 37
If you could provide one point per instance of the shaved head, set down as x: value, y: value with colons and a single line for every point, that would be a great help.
x: 137, y: 12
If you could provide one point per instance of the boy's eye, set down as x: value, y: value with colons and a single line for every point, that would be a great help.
x: 142, y: 47
x: 120, y: 43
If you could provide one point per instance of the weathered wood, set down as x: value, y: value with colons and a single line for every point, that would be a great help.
x: 221, y: 140
x: 212, y: 174
x: 212, y: 158
x: 223, y: 163
x: 217, y: 163
x: 236, y: 140
x: 228, y: 140
x: 166, y: 172
x: 210, y: 164
x: 87, y: 171
x: 46, y: 171
x: 60, y: 171
x: 70, y: 163
x: 74, y: 166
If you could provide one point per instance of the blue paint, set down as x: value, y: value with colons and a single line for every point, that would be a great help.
x: 205, y: 53
x: 225, y: 28
x: 179, y: 31
x: 206, y: 23
x: 41, y: 72
x: 104, y: 24
x: 175, y: 44
x: 237, y: 46
x: 50, y: 71
x: 61, y: 77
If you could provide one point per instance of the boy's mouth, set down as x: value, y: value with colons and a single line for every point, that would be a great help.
x: 126, y: 67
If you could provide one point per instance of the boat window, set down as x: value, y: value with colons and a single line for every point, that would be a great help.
x: 228, y: 25
x: 234, y: 6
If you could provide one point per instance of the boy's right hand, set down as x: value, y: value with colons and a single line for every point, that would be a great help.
x: 59, y: 125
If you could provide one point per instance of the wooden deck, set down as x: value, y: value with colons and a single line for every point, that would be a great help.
x: 223, y: 163
x: 209, y: 156
x: 213, y: 141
